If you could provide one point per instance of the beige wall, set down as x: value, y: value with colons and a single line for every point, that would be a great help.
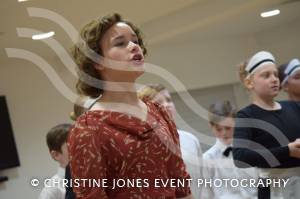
x: 35, y: 105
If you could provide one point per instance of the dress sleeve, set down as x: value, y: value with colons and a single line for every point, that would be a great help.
x: 87, y: 161
x: 243, y: 153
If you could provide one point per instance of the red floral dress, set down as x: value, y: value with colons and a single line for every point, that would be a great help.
x: 113, y: 146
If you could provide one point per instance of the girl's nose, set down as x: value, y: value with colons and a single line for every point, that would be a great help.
x: 133, y: 46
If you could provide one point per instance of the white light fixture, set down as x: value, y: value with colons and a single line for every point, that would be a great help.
x: 22, y: 0
x: 270, y: 13
x: 43, y: 35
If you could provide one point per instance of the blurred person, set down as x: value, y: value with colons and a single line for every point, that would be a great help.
x: 57, y: 143
x: 218, y: 161
x: 289, y: 75
x: 189, y: 143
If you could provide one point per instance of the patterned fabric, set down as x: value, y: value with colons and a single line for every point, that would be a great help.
x: 112, y: 145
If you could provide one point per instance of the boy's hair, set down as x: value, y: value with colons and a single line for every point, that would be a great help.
x: 57, y: 136
x: 220, y: 110
x: 281, y: 74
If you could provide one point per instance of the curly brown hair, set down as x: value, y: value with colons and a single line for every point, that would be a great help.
x: 91, y: 35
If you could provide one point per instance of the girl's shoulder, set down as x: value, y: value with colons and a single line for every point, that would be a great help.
x: 247, y: 110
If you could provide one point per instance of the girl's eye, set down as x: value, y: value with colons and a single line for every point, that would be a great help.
x: 296, y: 76
x: 119, y: 43
x: 136, y: 42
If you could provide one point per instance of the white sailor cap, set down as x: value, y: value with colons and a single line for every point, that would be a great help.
x: 292, y: 67
x: 259, y: 59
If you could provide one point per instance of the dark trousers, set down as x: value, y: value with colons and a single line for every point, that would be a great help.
x: 264, y: 192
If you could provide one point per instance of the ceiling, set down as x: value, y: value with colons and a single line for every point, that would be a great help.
x: 161, y: 21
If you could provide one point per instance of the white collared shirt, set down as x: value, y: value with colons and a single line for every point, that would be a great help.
x: 217, y: 166
x: 191, y: 155
x: 57, y: 191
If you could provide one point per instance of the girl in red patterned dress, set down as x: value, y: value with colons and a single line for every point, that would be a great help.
x: 123, y: 147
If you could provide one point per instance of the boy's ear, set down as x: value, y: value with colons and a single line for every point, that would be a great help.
x: 211, y: 124
x: 285, y: 87
x: 54, y: 154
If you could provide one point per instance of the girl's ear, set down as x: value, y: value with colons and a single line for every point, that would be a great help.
x: 248, y: 83
x: 99, y: 66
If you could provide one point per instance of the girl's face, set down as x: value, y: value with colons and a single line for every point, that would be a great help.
x: 264, y: 83
x: 293, y: 84
x: 123, y: 56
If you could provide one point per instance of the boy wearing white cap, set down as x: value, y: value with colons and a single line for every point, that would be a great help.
x: 289, y: 75
x: 266, y: 136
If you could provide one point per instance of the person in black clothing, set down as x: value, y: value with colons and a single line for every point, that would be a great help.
x: 267, y: 132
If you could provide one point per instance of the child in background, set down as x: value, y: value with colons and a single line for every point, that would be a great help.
x: 218, y: 162
x: 267, y: 132
x: 57, y: 144
x: 189, y: 144
x: 289, y: 75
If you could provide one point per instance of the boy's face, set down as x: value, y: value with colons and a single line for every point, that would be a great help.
x: 61, y: 157
x: 164, y: 98
x: 293, y: 84
x: 223, y: 130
